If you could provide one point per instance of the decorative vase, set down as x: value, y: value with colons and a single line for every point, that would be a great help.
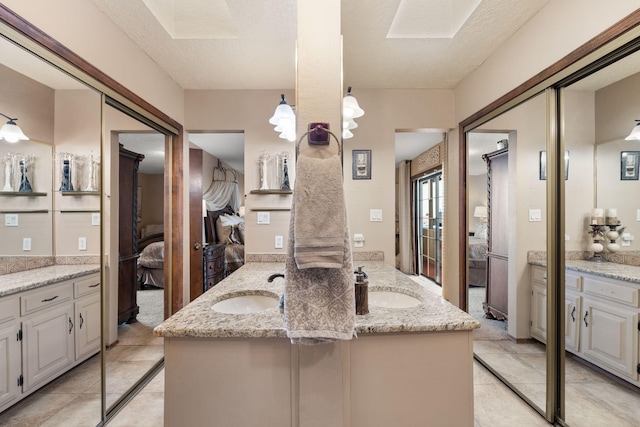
x: 65, y: 184
x: 264, y: 171
x: 25, y: 185
x: 8, y: 185
x: 92, y: 182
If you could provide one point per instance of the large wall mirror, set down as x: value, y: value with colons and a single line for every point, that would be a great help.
x: 555, y: 327
x: 64, y: 222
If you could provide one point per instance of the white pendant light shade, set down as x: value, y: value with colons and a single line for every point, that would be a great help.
x: 346, y: 134
x: 349, y: 124
x: 11, y: 132
x: 635, y: 133
x: 350, y: 107
x: 283, y: 110
x: 284, y: 120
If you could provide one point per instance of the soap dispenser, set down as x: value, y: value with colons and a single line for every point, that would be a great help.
x: 362, y: 292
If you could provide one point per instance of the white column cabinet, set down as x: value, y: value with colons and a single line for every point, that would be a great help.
x: 9, y: 351
x: 601, y: 320
x: 46, y: 331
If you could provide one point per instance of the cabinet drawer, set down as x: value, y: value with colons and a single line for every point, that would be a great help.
x: 9, y: 309
x: 572, y: 282
x: 612, y: 291
x: 540, y: 274
x: 86, y: 285
x: 45, y: 297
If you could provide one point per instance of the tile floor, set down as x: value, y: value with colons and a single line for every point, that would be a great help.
x: 74, y: 400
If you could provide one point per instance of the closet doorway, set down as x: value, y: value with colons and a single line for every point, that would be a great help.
x: 430, y: 213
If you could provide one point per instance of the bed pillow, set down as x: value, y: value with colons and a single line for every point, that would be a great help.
x: 227, y: 229
x: 482, y: 231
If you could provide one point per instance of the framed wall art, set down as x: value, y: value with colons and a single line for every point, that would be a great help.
x: 361, y: 164
x: 629, y: 165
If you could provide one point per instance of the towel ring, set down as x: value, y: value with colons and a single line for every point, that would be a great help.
x: 312, y: 130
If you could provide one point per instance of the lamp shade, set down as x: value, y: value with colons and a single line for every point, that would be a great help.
x: 480, y: 212
x: 11, y: 132
x: 283, y: 110
x: 635, y: 133
x: 350, y: 107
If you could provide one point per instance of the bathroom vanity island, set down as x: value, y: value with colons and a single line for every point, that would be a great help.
x: 411, y: 364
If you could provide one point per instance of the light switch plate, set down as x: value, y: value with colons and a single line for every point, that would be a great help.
x: 11, y: 220
x: 535, y: 215
x: 263, y: 218
x: 375, y: 215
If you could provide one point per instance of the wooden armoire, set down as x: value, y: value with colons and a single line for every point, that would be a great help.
x: 496, y: 300
x: 128, y: 236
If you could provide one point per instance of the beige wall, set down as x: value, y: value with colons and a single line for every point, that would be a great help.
x: 554, y: 32
x: 152, y: 199
x: 616, y: 109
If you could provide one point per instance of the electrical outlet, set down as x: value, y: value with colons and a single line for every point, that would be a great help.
x: 11, y: 220
x: 26, y: 244
x: 95, y: 218
x: 82, y: 243
x: 279, y: 242
x: 358, y: 240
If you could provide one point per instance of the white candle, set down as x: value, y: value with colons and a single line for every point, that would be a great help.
x: 598, y: 212
x: 612, y: 213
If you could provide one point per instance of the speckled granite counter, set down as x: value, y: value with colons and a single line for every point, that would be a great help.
x: 199, y: 320
x: 31, y: 279
x: 628, y: 273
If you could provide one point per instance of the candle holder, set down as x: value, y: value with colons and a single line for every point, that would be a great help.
x: 613, y: 233
x: 597, y: 234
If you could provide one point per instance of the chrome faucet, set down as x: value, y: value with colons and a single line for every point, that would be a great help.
x: 270, y: 279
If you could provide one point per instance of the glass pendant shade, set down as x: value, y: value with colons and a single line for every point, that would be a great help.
x: 11, y: 132
x: 346, y: 134
x: 635, y: 133
x: 283, y: 110
x: 349, y: 124
x: 350, y: 107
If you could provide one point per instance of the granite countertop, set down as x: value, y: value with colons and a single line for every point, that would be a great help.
x: 30, y: 279
x: 627, y: 273
x: 197, y: 319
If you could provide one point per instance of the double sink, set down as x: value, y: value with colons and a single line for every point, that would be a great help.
x: 256, y: 301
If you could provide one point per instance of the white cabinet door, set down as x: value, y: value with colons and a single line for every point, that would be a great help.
x: 87, y: 325
x: 610, y: 336
x: 539, y: 312
x: 572, y: 322
x: 9, y: 363
x: 47, y: 344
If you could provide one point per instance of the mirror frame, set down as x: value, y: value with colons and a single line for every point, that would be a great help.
x: 602, y: 50
x: 27, y: 36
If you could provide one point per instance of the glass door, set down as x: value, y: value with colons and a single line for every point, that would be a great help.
x: 430, y: 209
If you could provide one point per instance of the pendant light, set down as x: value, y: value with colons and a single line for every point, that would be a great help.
x: 11, y: 132
x: 284, y: 120
x: 635, y: 133
x: 350, y: 111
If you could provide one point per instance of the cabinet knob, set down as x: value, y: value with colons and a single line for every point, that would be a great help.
x: 197, y: 246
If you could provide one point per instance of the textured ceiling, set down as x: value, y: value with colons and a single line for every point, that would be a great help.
x: 262, y: 56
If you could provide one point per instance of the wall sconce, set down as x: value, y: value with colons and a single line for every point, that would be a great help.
x: 350, y: 111
x: 635, y: 133
x: 481, y: 212
x: 11, y: 132
x: 284, y: 120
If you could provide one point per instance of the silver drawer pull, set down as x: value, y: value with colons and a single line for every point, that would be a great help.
x: 50, y: 299
x: 93, y: 286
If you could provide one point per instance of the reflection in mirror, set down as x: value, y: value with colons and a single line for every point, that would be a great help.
x: 504, y: 177
x: 136, y: 297
x: 50, y: 248
x: 601, y: 335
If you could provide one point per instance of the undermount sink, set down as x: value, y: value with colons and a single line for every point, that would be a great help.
x: 392, y: 299
x: 244, y: 304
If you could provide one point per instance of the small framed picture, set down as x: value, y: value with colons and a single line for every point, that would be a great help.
x: 361, y: 164
x: 629, y: 165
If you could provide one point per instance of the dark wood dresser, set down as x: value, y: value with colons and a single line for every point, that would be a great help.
x: 213, y: 265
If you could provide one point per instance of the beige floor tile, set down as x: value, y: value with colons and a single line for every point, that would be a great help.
x: 145, y: 410
x: 496, y: 406
x: 35, y: 409
x: 81, y: 412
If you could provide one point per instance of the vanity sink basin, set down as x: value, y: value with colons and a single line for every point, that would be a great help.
x: 391, y: 299
x: 244, y: 304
